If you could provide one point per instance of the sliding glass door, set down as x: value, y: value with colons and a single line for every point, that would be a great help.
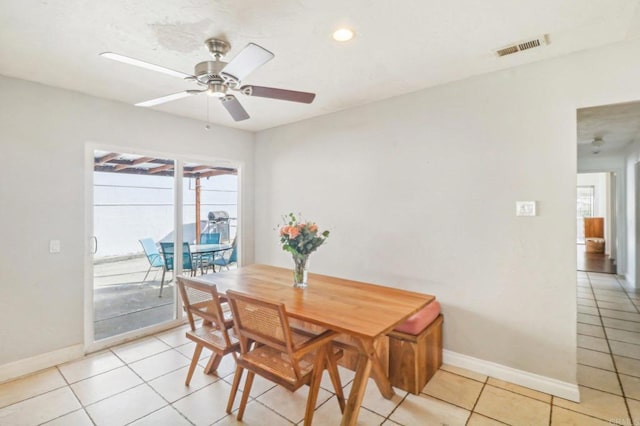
x: 140, y: 210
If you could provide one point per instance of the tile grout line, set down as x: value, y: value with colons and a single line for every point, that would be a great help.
x: 144, y: 382
x: 475, y: 403
x: 82, y: 407
x: 613, y: 360
x: 388, y: 417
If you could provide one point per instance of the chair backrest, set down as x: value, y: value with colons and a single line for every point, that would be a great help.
x: 234, y: 255
x: 168, y: 252
x: 151, y: 251
x: 201, y: 300
x: 261, y: 321
x: 210, y: 238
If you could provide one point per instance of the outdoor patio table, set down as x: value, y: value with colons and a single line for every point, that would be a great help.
x: 198, y: 250
x: 364, y: 311
x: 208, y: 248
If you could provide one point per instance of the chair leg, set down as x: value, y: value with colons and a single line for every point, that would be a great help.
x: 245, y: 394
x: 234, y: 388
x: 332, y: 367
x: 146, y: 275
x: 314, y: 386
x: 162, y: 282
x: 213, y: 363
x: 194, y: 362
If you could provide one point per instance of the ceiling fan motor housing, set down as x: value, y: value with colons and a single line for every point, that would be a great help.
x: 209, y: 71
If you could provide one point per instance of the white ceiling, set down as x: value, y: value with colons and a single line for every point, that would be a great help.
x: 400, y: 46
x: 617, y: 125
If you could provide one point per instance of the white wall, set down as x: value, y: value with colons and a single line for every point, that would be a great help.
x: 43, y: 132
x: 419, y: 192
x: 632, y: 195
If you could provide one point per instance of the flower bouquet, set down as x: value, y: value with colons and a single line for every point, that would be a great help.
x: 300, y: 239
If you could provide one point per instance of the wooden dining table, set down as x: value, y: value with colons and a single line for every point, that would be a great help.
x: 365, y: 312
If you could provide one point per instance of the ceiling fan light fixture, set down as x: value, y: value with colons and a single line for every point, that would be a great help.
x: 217, y: 90
x: 343, y: 34
x: 596, y: 145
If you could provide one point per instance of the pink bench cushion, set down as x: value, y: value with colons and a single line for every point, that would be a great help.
x: 421, y: 319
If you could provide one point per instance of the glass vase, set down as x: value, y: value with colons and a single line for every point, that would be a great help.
x: 300, y: 271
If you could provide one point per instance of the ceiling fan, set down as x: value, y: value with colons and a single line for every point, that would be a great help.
x: 219, y: 78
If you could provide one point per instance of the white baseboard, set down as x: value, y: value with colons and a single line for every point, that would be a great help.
x: 26, y: 366
x: 629, y: 279
x: 544, y: 384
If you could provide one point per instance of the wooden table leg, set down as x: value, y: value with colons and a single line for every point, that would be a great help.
x: 378, y: 372
x: 359, y: 385
x: 368, y: 363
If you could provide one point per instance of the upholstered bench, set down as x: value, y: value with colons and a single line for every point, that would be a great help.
x: 415, y: 349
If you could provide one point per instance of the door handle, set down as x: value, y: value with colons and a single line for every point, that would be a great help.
x: 95, y: 244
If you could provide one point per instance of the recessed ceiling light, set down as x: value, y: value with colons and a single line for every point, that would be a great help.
x: 343, y: 34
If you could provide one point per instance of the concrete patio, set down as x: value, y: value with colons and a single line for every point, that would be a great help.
x: 122, y: 302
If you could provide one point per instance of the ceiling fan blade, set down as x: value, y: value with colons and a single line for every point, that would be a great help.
x: 143, y: 64
x: 247, y: 61
x: 168, y: 98
x: 236, y: 110
x: 282, y: 94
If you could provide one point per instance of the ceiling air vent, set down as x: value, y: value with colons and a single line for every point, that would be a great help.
x: 523, y: 45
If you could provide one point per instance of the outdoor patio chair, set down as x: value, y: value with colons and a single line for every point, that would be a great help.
x: 202, y: 300
x: 213, y: 238
x: 153, y: 255
x: 168, y: 252
x: 225, y: 260
x: 207, y: 258
x: 273, y: 350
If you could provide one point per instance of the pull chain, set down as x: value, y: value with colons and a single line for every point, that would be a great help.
x: 207, y: 127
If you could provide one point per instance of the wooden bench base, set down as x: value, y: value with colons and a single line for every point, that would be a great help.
x: 413, y: 360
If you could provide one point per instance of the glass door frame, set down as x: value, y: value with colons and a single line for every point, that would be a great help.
x: 178, y: 197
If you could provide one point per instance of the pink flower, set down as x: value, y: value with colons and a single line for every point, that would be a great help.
x: 313, y: 227
x: 293, y: 231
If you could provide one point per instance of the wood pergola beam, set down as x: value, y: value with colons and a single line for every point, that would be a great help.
x: 218, y: 173
x: 132, y: 163
x: 131, y: 171
x: 160, y: 169
x: 107, y: 157
x: 197, y: 168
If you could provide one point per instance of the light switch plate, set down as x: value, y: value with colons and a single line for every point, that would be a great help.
x: 525, y: 208
x: 54, y: 246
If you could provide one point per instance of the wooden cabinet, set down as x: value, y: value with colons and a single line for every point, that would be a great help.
x: 594, y: 234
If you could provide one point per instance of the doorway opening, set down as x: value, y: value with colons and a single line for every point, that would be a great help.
x: 596, y: 222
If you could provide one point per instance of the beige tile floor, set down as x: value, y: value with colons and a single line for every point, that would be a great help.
x: 141, y: 383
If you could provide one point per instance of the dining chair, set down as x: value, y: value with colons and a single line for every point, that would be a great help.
x: 203, y: 301
x: 153, y: 255
x: 270, y: 348
x: 168, y: 252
